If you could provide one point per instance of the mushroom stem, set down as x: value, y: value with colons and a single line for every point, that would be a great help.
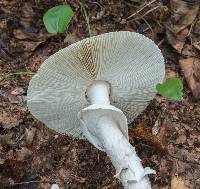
x: 123, y: 156
x: 105, y: 126
x: 98, y: 93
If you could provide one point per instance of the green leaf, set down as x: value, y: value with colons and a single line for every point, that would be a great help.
x: 171, y: 88
x: 57, y: 19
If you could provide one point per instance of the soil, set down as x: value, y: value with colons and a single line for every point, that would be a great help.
x: 33, y: 156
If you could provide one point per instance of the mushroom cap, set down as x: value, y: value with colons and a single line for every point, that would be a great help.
x: 132, y: 64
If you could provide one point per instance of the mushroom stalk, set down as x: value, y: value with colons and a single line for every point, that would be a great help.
x: 106, y: 134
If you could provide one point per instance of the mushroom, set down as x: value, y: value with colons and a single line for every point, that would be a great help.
x: 93, y: 88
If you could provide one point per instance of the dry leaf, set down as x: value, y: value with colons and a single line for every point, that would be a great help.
x: 197, y: 45
x: 183, y: 15
x: 22, y: 35
x: 99, y: 15
x: 29, y: 135
x: 30, y: 36
x: 170, y: 73
x: 190, y: 68
x: 181, y: 139
x: 155, y: 128
x: 188, y: 51
x: 65, y: 175
x: 177, y: 41
x: 28, y: 14
x: 196, y: 68
x: 18, y: 91
x: 13, y: 99
x: 29, y: 46
x: 71, y: 38
x: 7, y: 121
x: 23, y: 153
x: 144, y: 133
x: 178, y: 183
x: 6, y: 139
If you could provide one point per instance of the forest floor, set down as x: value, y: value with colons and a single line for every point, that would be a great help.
x: 166, y: 135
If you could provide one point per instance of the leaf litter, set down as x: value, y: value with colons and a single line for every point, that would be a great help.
x: 32, y: 154
x: 182, y: 29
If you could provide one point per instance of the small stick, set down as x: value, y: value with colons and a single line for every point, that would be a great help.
x: 28, y: 182
x: 131, y: 16
x: 149, y: 11
x: 96, y: 3
x: 148, y: 25
x: 160, y: 43
x: 76, y: 178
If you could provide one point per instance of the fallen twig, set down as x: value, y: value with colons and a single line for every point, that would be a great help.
x: 27, y: 182
x: 149, y: 11
x: 148, y: 26
x: 131, y: 16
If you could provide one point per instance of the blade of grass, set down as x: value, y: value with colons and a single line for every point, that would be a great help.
x: 16, y: 73
x: 86, y: 18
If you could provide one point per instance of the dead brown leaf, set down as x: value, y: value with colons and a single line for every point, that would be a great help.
x: 197, y: 45
x: 196, y: 68
x: 190, y: 67
x: 99, y: 15
x: 183, y: 14
x: 6, y: 139
x: 30, y: 36
x: 191, y: 140
x: 170, y: 73
x: 188, y: 51
x: 29, y: 135
x: 29, y: 41
x: 28, y: 14
x: 178, y: 183
x: 144, y: 133
x: 65, y: 175
x: 181, y: 139
x: 18, y: 91
x: 71, y: 38
x: 156, y: 128
x: 29, y: 46
x: 13, y: 99
x: 7, y: 121
x: 23, y: 153
x: 177, y: 41
x: 22, y: 35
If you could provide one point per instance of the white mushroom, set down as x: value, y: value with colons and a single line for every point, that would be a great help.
x: 54, y: 186
x: 73, y: 91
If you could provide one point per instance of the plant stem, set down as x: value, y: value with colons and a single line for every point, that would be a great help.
x: 86, y: 18
x: 16, y: 73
